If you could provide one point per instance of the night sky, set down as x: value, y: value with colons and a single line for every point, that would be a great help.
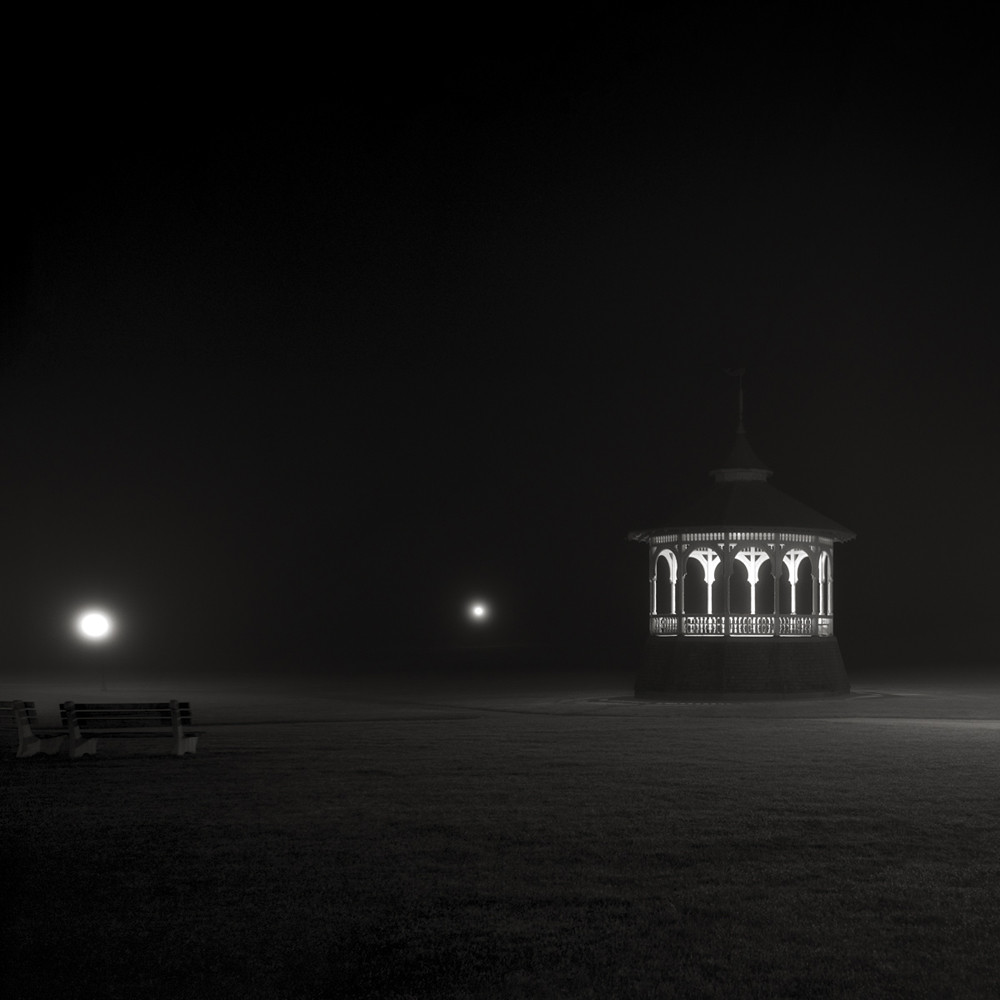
x: 316, y: 331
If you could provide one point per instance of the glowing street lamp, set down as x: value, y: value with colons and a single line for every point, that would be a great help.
x: 95, y: 626
x: 478, y: 611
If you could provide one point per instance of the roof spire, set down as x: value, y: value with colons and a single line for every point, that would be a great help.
x: 742, y: 463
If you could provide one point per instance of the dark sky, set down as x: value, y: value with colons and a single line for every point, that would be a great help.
x: 313, y: 331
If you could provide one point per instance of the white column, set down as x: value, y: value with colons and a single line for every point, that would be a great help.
x: 652, y: 579
x: 727, y: 578
x: 829, y: 585
x: 814, y: 578
x: 681, y: 586
x: 671, y: 558
x: 753, y: 559
x: 776, y: 567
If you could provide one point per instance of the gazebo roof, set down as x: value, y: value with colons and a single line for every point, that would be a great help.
x: 742, y: 499
x: 741, y: 461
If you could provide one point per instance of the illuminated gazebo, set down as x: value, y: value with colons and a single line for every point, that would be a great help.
x: 741, y: 592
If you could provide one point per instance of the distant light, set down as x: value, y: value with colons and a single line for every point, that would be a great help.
x: 94, y: 625
x: 478, y: 612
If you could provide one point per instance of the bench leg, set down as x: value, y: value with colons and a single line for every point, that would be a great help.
x: 28, y: 747
x: 185, y: 744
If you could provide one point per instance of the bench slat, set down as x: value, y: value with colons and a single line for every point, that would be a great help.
x: 115, y: 734
x: 123, y: 724
x: 136, y: 713
x: 149, y: 719
x: 111, y: 721
x: 124, y: 706
x: 129, y: 715
x: 7, y: 712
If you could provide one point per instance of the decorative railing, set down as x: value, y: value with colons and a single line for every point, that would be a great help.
x: 751, y: 625
x: 704, y: 625
x: 740, y: 625
x: 663, y: 624
x: 795, y: 625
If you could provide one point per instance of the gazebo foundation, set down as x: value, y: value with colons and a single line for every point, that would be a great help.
x: 741, y: 666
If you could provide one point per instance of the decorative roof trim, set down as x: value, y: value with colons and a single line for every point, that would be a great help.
x: 659, y: 535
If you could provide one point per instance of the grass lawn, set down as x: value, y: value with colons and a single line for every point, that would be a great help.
x: 563, y: 844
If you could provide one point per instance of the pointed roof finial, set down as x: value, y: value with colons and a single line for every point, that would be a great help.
x: 739, y: 373
x: 742, y: 463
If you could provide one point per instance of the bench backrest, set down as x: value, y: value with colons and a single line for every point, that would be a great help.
x: 126, y: 715
x: 9, y: 717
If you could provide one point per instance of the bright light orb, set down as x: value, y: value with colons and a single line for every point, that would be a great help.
x: 94, y: 625
x: 478, y: 612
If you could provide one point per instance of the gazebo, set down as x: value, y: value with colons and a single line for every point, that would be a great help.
x: 741, y: 592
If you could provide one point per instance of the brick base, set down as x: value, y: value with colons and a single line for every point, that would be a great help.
x: 743, y: 667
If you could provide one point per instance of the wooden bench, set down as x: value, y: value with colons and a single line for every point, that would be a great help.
x: 22, y: 717
x: 86, y: 724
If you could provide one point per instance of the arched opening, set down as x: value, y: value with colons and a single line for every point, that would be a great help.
x: 702, y: 589
x: 666, y: 583
x: 804, y: 588
x: 765, y: 589
x: 695, y: 596
x: 750, y: 562
x: 739, y: 589
x: 796, y: 583
x: 825, y: 581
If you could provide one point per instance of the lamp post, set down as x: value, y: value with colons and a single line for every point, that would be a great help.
x: 96, y: 626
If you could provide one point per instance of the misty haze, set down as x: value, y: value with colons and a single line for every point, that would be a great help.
x: 501, y: 506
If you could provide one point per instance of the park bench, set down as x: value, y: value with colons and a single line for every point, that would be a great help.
x: 86, y: 724
x: 22, y: 718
